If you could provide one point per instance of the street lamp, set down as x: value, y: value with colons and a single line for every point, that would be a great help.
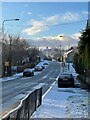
x: 3, y: 25
x: 68, y: 48
x: 60, y: 54
x: 68, y: 41
x: 6, y: 20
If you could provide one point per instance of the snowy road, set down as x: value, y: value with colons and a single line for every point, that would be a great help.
x: 15, y: 90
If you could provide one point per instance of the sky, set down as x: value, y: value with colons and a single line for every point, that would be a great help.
x: 42, y: 23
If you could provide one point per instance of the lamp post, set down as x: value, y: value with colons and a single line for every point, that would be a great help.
x: 68, y: 41
x: 3, y: 25
x: 68, y: 49
x: 6, y: 20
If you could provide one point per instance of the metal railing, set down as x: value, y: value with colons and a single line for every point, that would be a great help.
x: 26, y: 107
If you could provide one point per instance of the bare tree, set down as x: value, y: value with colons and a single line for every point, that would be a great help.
x: 17, y: 49
x: 14, y: 49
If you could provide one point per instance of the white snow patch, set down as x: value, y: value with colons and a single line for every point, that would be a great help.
x: 15, y: 76
x: 63, y: 103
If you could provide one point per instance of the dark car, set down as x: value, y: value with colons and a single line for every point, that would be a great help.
x: 28, y: 72
x: 66, y: 79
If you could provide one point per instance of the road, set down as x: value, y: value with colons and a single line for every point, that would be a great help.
x: 15, y: 90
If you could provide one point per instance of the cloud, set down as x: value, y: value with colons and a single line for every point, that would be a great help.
x: 40, y: 26
x: 76, y: 36
x: 37, y: 27
x: 54, y: 41
x: 52, y: 19
x: 29, y: 13
x: 69, y: 17
x: 44, y: 24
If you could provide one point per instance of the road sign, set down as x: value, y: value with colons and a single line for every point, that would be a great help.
x: 6, y: 63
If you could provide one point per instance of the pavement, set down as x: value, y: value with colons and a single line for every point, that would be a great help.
x: 64, y: 102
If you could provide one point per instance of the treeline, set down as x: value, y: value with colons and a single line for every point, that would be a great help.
x: 82, y: 58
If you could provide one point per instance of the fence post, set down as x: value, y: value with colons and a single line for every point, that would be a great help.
x: 28, y: 106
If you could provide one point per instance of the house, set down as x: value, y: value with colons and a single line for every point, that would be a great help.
x: 70, y: 54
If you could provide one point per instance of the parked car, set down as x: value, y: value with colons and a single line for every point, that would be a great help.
x: 65, y: 79
x: 28, y: 72
x: 42, y: 65
x: 45, y: 62
x: 38, y: 68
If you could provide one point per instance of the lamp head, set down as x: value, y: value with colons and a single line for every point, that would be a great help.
x: 16, y: 19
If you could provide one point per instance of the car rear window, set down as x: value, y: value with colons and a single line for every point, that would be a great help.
x: 27, y: 70
x: 65, y: 75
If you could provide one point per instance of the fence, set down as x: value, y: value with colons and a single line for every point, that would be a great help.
x: 27, y: 106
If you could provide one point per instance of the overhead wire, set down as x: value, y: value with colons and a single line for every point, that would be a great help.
x: 24, y: 25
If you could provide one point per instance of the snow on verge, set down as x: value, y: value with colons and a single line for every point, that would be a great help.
x: 63, y: 103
